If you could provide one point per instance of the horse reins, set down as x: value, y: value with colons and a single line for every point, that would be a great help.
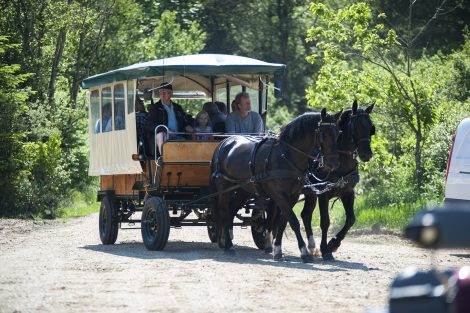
x: 317, y: 133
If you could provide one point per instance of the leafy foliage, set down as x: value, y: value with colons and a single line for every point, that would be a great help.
x: 169, y: 40
x: 418, y: 73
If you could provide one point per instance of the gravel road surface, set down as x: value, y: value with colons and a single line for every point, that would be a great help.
x: 63, y: 267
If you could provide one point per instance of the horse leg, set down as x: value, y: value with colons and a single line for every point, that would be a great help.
x: 348, y: 204
x: 324, y: 225
x: 281, y: 224
x: 233, y: 206
x: 223, y: 217
x: 304, y: 253
x: 270, y: 217
x: 307, y: 213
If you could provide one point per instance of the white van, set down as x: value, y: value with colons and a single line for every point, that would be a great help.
x: 458, y: 166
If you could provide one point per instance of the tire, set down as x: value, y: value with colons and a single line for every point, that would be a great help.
x: 108, y: 222
x: 212, y: 232
x: 258, y: 230
x: 155, y: 227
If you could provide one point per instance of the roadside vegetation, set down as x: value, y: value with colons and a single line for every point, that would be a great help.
x: 411, y: 59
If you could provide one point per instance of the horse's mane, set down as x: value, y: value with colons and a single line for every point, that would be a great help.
x: 344, y: 118
x: 301, y: 126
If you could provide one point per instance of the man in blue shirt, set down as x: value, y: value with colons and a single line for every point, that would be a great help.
x: 242, y: 120
x: 165, y: 112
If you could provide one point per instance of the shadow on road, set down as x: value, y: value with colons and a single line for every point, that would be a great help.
x: 191, y: 251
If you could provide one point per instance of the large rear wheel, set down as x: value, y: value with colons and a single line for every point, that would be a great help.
x: 258, y: 228
x: 108, y: 222
x: 155, y: 226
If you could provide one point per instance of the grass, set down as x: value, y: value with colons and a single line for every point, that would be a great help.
x: 79, y: 209
x: 392, y: 217
x: 79, y: 205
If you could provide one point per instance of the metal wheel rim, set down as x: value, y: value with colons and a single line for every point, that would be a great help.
x: 261, y: 224
x: 151, y: 228
x: 103, y: 220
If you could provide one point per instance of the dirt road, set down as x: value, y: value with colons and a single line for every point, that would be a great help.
x: 62, y: 267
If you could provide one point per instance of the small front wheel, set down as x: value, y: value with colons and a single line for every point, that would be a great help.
x: 155, y: 226
x: 108, y: 222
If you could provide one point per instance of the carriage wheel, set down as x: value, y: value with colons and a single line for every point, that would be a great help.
x: 258, y: 229
x: 155, y: 226
x: 108, y: 222
x: 212, y: 232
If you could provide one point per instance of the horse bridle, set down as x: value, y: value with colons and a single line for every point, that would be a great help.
x: 318, y: 141
x: 351, y: 125
x: 321, y: 156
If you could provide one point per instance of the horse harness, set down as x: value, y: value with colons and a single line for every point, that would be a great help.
x: 256, y: 178
x: 324, y: 186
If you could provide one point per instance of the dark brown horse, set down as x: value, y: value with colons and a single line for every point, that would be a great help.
x: 271, y: 168
x: 356, y: 130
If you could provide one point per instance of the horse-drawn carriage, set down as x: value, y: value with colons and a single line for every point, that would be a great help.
x: 170, y: 189
x: 209, y: 183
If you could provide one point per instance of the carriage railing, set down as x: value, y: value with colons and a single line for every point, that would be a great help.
x: 213, y: 136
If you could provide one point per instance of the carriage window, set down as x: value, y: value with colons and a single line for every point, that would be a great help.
x: 119, y: 107
x: 221, y: 94
x: 234, y: 90
x: 254, y: 97
x: 106, y: 110
x: 130, y: 96
x: 95, y: 111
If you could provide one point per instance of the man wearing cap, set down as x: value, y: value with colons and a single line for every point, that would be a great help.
x: 166, y: 112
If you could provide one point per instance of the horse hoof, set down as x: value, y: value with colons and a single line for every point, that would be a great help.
x: 328, y: 256
x: 314, y: 251
x: 311, y: 249
x: 307, y: 258
x: 268, y: 250
x: 278, y: 257
x: 334, y: 244
x: 230, y: 252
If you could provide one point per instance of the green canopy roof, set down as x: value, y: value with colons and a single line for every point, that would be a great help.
x: 197, y: 64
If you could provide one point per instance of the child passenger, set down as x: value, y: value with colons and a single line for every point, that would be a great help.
x: 202, y: 125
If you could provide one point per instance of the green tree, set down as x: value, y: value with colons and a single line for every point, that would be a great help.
x: 361, y: 57
x: 169, y: 39
x: 12, y: 104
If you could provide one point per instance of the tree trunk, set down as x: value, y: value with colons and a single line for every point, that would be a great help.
x: 418, y: 165
x: 59, y: 49
x: 76, y: 72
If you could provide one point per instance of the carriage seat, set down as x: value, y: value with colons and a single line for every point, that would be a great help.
x: 186, y: 163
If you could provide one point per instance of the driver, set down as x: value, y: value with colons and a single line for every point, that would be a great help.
x: 166, y: 112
